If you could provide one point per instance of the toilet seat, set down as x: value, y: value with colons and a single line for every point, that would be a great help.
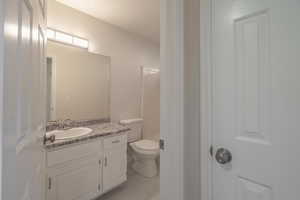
x: 146, y: 145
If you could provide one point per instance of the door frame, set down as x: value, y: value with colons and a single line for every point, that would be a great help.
x: 172, y: 99
x: 172, y: 96
x: 206, y: 99
x: 1, y: 85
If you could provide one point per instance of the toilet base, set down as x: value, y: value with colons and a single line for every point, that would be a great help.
x: 146, y: 167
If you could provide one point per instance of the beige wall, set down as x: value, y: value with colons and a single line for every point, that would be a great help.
x: 151, y: 105
x: 127, y: 51
x: 82, y: 83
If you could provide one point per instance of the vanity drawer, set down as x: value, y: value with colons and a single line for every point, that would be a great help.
x: 71, y: 153
x: 115, y: 141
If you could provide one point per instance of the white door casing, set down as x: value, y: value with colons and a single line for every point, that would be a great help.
x: 172, y: 100
x: 255, y: 91
x: 1, y: 80
x: 205, y: 99
x: 24, y: 99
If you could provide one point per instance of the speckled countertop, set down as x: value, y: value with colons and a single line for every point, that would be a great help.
x: 99, y: 130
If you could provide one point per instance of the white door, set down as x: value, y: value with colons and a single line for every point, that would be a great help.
x: 256, y: 99
x: 114, y: 166
x: 23, y: 99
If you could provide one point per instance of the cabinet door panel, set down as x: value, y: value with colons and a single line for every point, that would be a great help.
x: 115, y: 167
x: 75, y: 183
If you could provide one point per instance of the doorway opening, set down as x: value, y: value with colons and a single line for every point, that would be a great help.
x: 101, y: 104
x: 35, y: 157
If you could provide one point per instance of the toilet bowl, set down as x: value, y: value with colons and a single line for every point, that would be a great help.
x: 145, y: 153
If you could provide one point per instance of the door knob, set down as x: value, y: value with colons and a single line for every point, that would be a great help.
x: 223, y: 156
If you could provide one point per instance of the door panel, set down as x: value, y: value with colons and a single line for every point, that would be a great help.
x: 115, y: 166
x: 255, y: 94
x: 78, y: 181
x: 253, y: 74
x: 25, y: 67
x: 41, y: 75
x: 23, y: 114
x: 248, y: 190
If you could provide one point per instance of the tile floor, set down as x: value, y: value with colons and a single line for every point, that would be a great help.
x: 136, y: 188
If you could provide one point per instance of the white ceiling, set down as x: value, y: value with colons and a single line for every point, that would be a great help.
x: 137, y: 16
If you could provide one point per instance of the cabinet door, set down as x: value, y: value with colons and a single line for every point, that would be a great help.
x: 115, y: 166
x: 80, y: 181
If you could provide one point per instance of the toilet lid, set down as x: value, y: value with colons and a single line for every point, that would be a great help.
x: 147, y: 145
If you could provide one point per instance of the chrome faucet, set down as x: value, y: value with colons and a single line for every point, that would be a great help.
x: 67, y: 123
x: 50, y: 138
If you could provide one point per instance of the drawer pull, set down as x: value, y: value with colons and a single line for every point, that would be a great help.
x: 116, y: 141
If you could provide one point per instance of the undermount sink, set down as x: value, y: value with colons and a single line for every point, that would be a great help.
x: 70, y: 133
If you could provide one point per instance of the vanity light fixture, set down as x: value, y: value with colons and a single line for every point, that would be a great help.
x: 59, y: 36
x: 62, y: 37
x: 80, y: 42
x: 50, y: 34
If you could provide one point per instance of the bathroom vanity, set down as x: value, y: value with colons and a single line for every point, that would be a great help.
x: 87, y: 158
x: 87, y: 167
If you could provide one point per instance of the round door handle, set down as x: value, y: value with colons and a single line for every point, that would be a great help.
x: 223, y: 156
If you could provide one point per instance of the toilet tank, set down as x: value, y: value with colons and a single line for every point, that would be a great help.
x: 136, y: 126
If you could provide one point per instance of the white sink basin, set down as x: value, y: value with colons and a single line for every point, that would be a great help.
x: 70, y: 133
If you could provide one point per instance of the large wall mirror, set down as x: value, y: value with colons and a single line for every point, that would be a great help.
x: 78, y: 84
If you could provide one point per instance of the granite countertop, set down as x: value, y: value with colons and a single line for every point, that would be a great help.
x: 99, y: 130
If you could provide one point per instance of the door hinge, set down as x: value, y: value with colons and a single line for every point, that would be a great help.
x: 99, y: 162
x: 211, y: 151
x: 105, y: 161
x: 49, y: 183
x: 99, y: 187
x: 162, y: 144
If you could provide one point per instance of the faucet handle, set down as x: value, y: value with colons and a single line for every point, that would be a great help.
x: 50, y: 138
x: 68, y: 122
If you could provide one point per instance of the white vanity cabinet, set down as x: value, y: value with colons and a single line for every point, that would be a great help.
x: 115, y: 162
x: 85, y: 171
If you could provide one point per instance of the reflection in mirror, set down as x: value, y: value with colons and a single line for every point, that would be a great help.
x: 78, y: 84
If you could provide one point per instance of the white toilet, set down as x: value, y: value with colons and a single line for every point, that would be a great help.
x: 144, y: 152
